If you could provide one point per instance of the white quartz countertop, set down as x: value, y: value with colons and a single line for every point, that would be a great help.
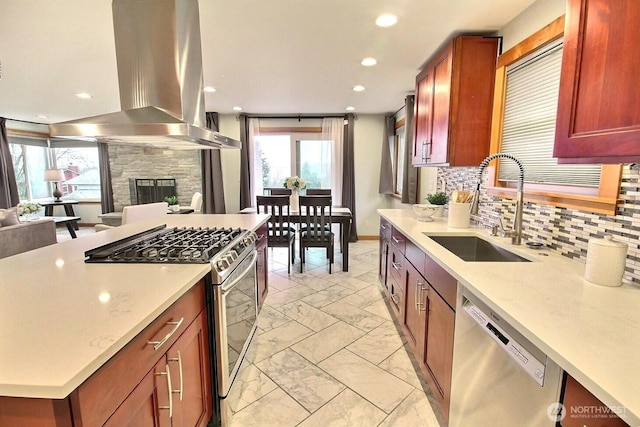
x: 591, y: 331
x: 61, y: 319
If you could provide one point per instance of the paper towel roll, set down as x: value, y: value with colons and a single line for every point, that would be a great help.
x: 606, y: 259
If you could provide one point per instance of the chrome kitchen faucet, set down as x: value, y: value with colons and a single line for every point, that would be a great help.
x: 516, y: 233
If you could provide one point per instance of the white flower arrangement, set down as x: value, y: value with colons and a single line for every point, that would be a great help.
x: 295, y: 182
x: 28, y: 207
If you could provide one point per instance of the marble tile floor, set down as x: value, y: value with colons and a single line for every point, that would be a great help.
x: 327, y: 353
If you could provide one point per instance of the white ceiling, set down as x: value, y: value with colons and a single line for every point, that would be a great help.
x: 267, y: 56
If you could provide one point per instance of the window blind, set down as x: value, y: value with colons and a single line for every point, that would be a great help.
x: 530, y: 119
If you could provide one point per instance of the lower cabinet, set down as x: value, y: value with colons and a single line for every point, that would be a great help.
x: 175, y: 392
x: 160, y: 378
x: 262, y: 265
x: 438, y: 357
x: 583, y: 409
x: 422, y: 298
x: 415, y: 313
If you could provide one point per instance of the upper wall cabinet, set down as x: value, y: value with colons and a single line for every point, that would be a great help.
x: 452, y: 110
x: 599, y: 104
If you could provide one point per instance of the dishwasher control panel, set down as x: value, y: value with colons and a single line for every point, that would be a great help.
x: 516, y: 350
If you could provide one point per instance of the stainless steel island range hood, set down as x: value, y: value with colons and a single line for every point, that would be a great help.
x: 159, y: 57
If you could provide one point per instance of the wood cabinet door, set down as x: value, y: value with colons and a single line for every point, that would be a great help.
x: 439, y: 346
x: 148, y: 403
x: 598, y: 106
x: 583, y: 409
x: 415, y: 310
x: 438, y: 146
x: 188, y: 360
x: 422, y: 116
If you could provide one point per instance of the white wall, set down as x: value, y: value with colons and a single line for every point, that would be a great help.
x: 367, y: 148
x: 532, y: 19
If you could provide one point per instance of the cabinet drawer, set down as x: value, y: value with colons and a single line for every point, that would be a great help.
x: 99, y: 396
x: 385, y: 229
x: 444, y: 283
x: 396, y: 264
x: 415, y: 255
x: 396, y: 298
x: 397, y: 239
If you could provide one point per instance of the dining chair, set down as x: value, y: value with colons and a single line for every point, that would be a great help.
x: 280, y: 234
x: 315, y: 226
x: 318, y: 191
x: 196, y: 202
x: 138, y: 213
x: 324, y: 192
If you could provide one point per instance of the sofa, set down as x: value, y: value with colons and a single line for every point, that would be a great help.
x: 22, y: 237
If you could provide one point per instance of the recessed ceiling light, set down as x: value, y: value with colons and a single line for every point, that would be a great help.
x: 237, y: 108
x: 83, y: 95
x: 368, y: 62
x: 209, y: 89
x: 358, y: 88
x: 351, y: 108
x: 386, y: 20
x: 42, y: 116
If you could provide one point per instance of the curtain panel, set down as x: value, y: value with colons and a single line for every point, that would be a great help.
x: 410, y: 178
x: 385, y: 185
x: 349, y: 177
x: 333, y: 130
x: 212, y: 180
x: 106, y: 189
x: 8, y: 186
x: 247, y: 195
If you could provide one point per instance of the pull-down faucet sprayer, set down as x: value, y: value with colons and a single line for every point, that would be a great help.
x: 516, y: 233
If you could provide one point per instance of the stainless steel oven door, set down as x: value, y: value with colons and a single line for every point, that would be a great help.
x: 235, y: 315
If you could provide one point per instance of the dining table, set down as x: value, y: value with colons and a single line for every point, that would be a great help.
x: 339, y: 215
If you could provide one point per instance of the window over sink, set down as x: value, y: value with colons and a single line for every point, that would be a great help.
x: 594, y: 188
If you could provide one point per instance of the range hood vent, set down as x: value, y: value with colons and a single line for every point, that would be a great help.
x: 159, y: 57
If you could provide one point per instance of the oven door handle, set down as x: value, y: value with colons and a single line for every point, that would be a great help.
x: 227, y: 287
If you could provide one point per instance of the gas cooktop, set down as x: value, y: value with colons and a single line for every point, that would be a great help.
x: 170, y: 245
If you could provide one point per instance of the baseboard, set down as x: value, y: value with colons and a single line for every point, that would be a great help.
x: 374, y: 237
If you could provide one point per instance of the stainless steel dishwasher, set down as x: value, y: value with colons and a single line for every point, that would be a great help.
x: 499, y: 378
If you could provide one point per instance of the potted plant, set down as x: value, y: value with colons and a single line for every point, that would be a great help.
x: 173, y: 203
x: 438, y: 199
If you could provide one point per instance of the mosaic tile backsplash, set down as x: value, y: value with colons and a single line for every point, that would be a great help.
x: 566, y: 231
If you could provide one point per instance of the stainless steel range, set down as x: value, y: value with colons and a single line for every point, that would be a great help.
x: 231, y: 287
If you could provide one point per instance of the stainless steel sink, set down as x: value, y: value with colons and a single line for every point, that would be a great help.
x: 472, y: 248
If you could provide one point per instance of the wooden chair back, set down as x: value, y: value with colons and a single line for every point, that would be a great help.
x: 318, y: 191
x: 315, y: 219
x: 279, y: 191
x: 278, y: 223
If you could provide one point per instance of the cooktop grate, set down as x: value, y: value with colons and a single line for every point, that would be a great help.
x: 162, y: 245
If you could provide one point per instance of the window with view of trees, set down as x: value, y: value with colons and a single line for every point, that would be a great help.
x: 279, y: 156
x: 31, y: 156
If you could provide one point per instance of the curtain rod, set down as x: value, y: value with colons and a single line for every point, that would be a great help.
x: 297, y: 116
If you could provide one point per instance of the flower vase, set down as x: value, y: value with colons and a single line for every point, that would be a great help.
x: 294, y: 201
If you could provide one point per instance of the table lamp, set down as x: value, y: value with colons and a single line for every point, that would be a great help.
x: 55, y: 176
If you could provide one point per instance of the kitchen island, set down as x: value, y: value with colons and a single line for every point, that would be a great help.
x: 591, y: 331
x: 61, y: 319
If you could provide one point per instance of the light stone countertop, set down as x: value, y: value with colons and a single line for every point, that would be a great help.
x: 591, y: 331
x: 61, y: 319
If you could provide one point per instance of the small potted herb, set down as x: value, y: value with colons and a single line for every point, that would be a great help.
x: 438, y: 199
x: 173, y: 203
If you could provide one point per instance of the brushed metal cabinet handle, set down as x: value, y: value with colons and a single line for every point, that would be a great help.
x: 157, y: 344
x: 179, y: 360
x: 168, y: 375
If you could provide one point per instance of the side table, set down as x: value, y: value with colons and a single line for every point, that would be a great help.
x: 68, y: 208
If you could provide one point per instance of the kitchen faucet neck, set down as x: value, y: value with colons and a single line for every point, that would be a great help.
x: 516, y: 233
